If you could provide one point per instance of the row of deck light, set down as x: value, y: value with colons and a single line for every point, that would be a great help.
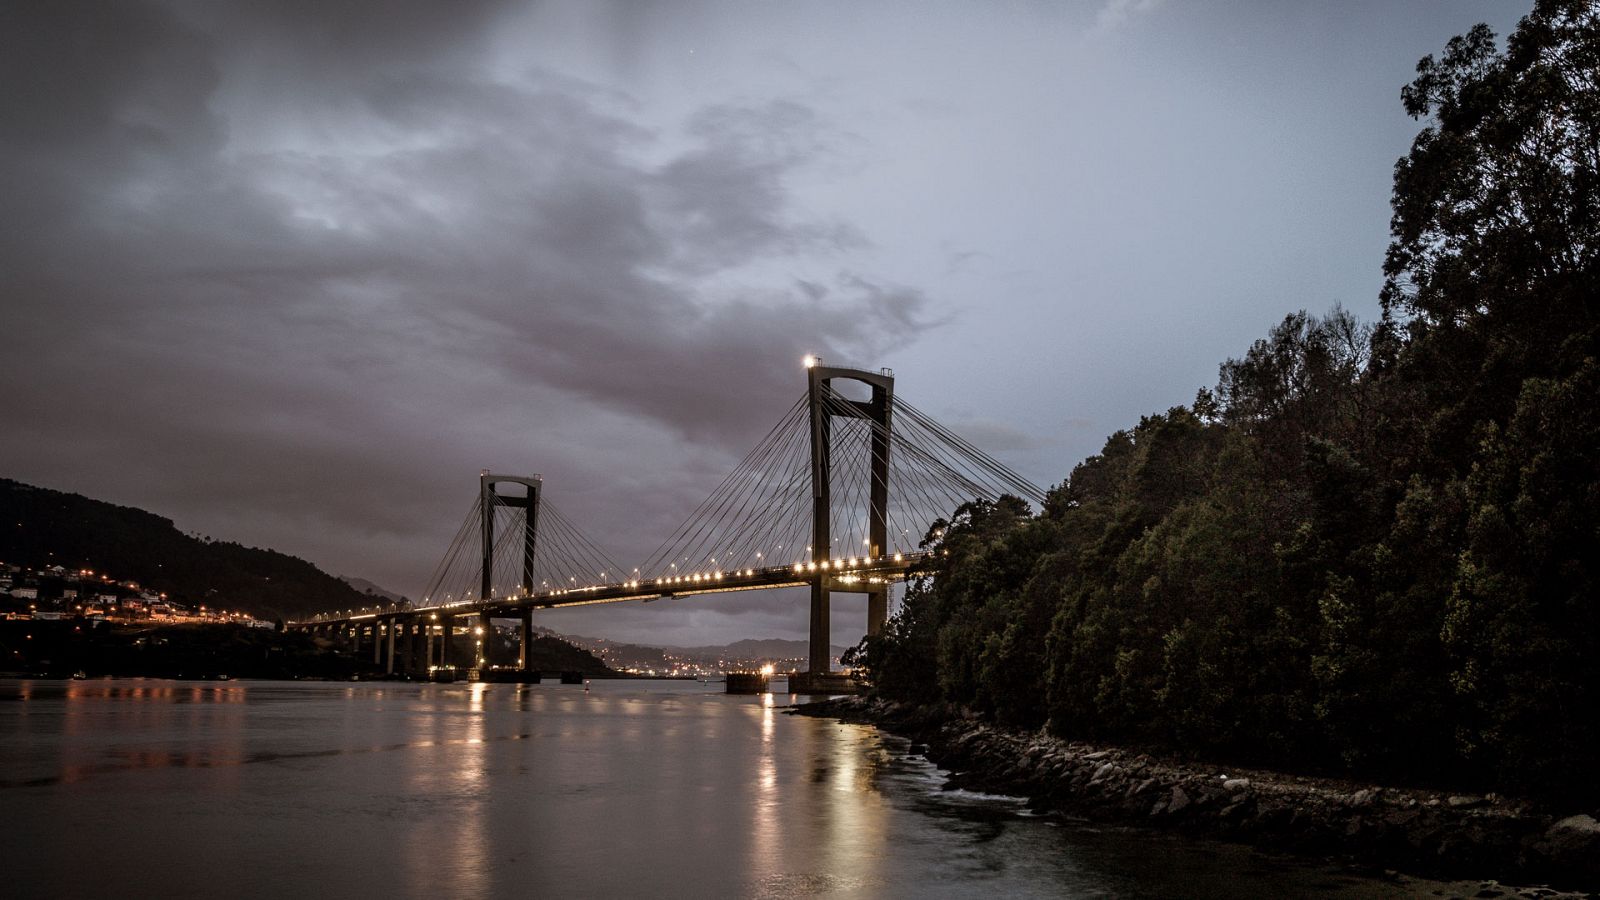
x: 702, y: 577
x: 800, y: 567
x: 841, y: 564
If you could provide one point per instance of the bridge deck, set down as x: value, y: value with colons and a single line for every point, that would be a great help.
x: 842, y: 575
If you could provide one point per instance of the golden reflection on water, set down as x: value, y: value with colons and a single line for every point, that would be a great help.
x: 92, y: 708
x: 449, y: 843
x: 855, y: 812
x: 767, y: 839
x: 818, y: 820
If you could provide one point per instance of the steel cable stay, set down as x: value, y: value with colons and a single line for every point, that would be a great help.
x: 752, y: 542
x: 442, y: 571
x: 946, y: 470
x: 1015, y: 482
x: 765, y: 524
x: 912, y: 483
x: 718, y: 520
x: 945, y: 450
x: 563, y: 558
x: 943, y: 472
x: 585, y: 564
x: 742, y: 526
x: 680, y: 543
x: 759, y: 515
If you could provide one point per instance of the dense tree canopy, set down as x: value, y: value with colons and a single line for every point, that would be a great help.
x: 1369, y: 548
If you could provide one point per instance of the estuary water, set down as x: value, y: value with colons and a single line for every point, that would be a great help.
x: 149, y: 788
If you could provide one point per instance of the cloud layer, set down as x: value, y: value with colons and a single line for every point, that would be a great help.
x: 312, y: 267
x: 292, y: 272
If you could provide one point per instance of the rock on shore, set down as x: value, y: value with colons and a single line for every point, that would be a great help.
x: 1422, y: 832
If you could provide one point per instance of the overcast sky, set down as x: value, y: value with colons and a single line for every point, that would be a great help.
x: 291, y: 273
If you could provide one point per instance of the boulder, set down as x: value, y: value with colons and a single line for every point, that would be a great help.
x: 1573, y: 843
x: 1178, y: 802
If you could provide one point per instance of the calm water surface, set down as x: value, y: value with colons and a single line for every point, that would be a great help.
x: 147, y: 788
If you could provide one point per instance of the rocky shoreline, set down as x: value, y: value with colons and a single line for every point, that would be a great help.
x: 1420, y: 832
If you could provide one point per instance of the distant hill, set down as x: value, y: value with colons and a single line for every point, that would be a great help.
x: 620, y: 654
x: 368, y: 587
x: 754, y: 649
x: 40, y: 528
x: 552, y: 654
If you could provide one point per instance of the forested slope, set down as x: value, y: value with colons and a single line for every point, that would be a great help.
x: 43, y: 528
x: 1369, y: 548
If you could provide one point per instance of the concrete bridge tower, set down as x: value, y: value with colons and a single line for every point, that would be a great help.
x: 877, y: 409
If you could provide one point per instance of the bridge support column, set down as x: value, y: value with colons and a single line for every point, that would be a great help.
x: 525, y: 662
x: 445, y: 628
x: 427, y: 660
x: 485, y: 641
x: 821, y: 627
x: 877, y: 610
x: 377, y: 642
x: 394, y: 625
x: 825, y: 404
x: 489, y: 499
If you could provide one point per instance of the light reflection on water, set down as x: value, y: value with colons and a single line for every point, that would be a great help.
x: 629, y: 789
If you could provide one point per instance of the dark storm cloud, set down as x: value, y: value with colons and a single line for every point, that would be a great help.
x: 292, y: 272
x: 295, y: 255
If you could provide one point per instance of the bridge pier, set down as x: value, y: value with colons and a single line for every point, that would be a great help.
x: 877, y: 610
x: 413, y: 644
x: 388, y: 668
x: 525, y: 663
x: 402, y: 645
x: 821, y: 652
x: 377, y: 642
x: 486, y: 641
x: 446, y: 627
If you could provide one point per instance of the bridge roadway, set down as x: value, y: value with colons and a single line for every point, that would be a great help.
x: 411, y: 634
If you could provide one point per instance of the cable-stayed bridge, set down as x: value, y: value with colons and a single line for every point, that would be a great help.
x: 837, y: 497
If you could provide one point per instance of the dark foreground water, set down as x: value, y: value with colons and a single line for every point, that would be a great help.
x: 169, y: 789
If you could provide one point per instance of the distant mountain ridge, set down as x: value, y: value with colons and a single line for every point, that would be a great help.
x: 752, y: 647
x: 376, y: 590
x: 625, y: 653
x: 44, y: 528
